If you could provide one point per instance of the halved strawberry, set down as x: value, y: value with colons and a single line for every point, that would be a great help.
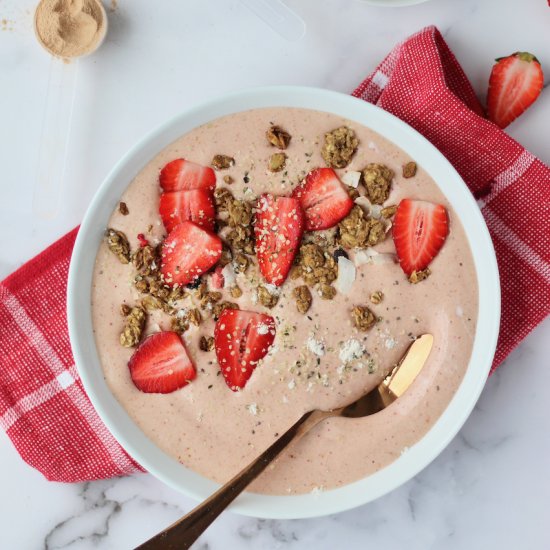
x: 323, y: 198
x: 278, y: 229
x: 161, y: 364
x: 196, y: 206
x: 419, y: 231
x: 515, y: 82
x: 242, y: 338
x: 184, y: 175
x: 188, y: 252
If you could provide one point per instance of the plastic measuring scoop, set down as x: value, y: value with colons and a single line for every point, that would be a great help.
x: 279, y: 17
x: 56, y: 125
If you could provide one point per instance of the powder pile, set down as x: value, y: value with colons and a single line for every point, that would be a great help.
x: 69, y: 28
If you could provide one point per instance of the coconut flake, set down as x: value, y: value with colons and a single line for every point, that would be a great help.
x: 364, y: 203
x: 229, y: 276
x: 372, y: 257
x: 346, y: 275
x: 373, y: 210
x: 352, y: 179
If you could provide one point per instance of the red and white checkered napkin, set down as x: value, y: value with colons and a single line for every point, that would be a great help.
x: 43, y: 407
x: 422, y: 83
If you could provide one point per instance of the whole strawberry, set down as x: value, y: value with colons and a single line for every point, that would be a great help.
x: 515, y: 83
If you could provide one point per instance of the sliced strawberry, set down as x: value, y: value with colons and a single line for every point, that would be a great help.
x: 323, y: 198
x: 196, y: 206
x: 242, y: 338
x: 184, y: 175
x: 278, y: 228
x: 217, y: 279
x: 515, y: 83
x: 188, y: 252
x: 161, y: 364
x: 419, y: 231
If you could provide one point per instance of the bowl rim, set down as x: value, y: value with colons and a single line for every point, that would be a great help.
x: 167, y: 469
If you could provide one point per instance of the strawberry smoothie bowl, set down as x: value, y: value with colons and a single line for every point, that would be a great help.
x: 266, y: 254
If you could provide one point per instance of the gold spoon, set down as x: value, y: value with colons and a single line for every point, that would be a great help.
x: 184, y: 532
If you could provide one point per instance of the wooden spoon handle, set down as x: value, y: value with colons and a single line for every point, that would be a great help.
x: 188, y: 529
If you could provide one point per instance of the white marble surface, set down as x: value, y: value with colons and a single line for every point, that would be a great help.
x: 490, y: 488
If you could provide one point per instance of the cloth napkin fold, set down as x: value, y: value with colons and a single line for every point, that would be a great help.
x: 43, y: 406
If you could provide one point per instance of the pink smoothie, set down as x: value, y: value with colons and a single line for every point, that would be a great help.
x: 215, y: 431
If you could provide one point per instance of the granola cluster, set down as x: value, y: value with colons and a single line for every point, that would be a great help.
x: 358, y: 231
x: 363, y: 318
x: 222, y: 162
x: 267, y: 298
x: 409, y: 170
x: 318, y: 269
x: 417, y: 276
x: 206, y: 343
x: 238, y: 215
x: 118, y: 245
x: 133, y: 327
x: 303, y: 297
x: 377, y: 179
x: 278, y: 137
x: 340, y: 146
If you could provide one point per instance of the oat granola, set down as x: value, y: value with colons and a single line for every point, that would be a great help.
x: 278, y: 137
x: 363, y: 318
x: 377, y: 179
x: 133, y: 327
x: 118, y: 245
x: 316, y: 266
x: 206, y: 343
x: 235, y: 291
x: 417, y: 276
x: 409, y: 170
x: 222, y: 162
x: 146, y: 259
x: 327, y: 292
x: 266, y: 298
x: 388, y: 212
x: 340, y: 146
x: 303, y: 298
x: 377, y: 297
x: 194, y: 316
x: 358, y: 231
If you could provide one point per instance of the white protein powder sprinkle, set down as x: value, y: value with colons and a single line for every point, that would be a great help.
x: 350, y: 350
x: 315, y: 346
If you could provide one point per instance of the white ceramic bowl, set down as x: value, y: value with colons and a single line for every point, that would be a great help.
x: 169, y: 470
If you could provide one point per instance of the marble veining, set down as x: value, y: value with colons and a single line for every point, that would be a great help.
x: 489, y: 488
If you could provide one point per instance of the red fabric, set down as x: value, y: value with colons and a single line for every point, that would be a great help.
x: 422, y: 83
x: 43, y: 407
